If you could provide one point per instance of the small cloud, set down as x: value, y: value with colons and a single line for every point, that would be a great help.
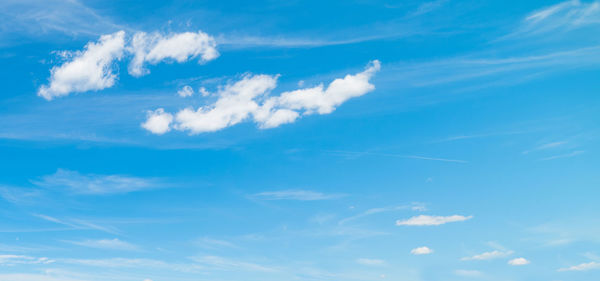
x: 582, y: 267
x: 421, y: 251
x: 78, y: 183
x: 488, y: 255
x: 468, y: 273
x: 112, y: 244
x: 370, y: 262
x: 519, y: 261
x: 432, y: 220
x: 158, y: 121
x: 186, y: 91
x: 204, y: 92
x: 567, y: 155
x: 300, y: 195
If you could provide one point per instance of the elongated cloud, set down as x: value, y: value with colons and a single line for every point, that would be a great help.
x: 421, y: 251
x: 488, y: 255
x: 95, y: 184
x: 564, y: 16
x: 88, y: 70
x: 249, y: 98
x: 112, y: 244
x: 180, y: 47
x: 300, y: 195
x: 582, y: 267
x: 519, y: 261
x: 432, y: 220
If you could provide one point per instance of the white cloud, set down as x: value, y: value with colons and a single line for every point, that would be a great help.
x: 519, y: 261
x: 88, y: 70
x: 186, y: 91
x: 566, y: 16
x: 228, y: 264
x: 582, y: 267
x: 158, y: 121
x: 95, y: 184
x: 236, y: 102
x: 113, y: 244
x: 249, y: 98
x: 421, y: 251
x: 370, y: 262
x: 488, y: 255
x: 19, y: 259
x: 203, y: 92
x: 432, y: 220
x: 180, y: 47
x: 300, y: 195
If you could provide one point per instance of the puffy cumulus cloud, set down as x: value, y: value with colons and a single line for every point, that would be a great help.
x: 582, y: 267
x: 519, y: 261
x: 180, y: 47
x: 88, y: 70
x: 186, y: 91
x: 488, y: 255
x: 236, y: 102
x: 158, y: 121
x: 250, y: 98
x: 432, y: 220
x: 421, y: 251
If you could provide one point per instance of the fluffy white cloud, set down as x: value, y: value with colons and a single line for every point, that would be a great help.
x: 371, y: 262
x: 180, y: 47
x: 158, y: 121
x: 236, y: 102
x: 249, y: 98
x: 582, y: 267
x: 488, y: 255
x: 518, y: 261
x: 186, y: 91
x: 432, y: 220
x: 88, y: 70
x: 421, y: 251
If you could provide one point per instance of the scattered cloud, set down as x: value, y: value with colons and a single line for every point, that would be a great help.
x: 300, y: 195
x: 421, y: 251
x: 93, y: 184
x: 111, y: 244
x: 370, y: 262
x: 75, y: 224
x: 546, y: 146
x: 10, y: 260
x: 582, y: 267
x: 373, y: 211
x: 88, y: 70
x: 220, y: 263
x: 432, y: 220
x: 158, y: 121
x: 564, y: 16
x: 209, y: 243
x: 249, y: 97
x: 180, y: 47
x: 566, y: 155
x: 519, y: 261
x: 488, y: 255
x: 186, y: 91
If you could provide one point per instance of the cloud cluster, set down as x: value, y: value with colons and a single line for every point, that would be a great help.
x: 249, y: 98
x: 93, y: 68
x: 424, y: 220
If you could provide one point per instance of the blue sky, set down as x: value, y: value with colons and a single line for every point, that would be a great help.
x: 299, y: 140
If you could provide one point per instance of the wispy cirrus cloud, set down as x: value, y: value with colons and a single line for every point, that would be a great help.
x: 110, y: 244
x: 424, y: 220
x: 582, y: 267
x: 566, y: 155
x: 95, y: 184
x: 370, y: 262
x: 299, y: 195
